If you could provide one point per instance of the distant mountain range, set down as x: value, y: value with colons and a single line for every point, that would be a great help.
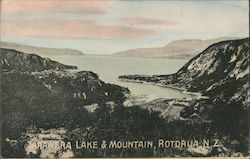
x: 39, y: 50
x: 177, y: 49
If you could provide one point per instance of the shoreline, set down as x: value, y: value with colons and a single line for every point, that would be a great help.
x: 196, y: 95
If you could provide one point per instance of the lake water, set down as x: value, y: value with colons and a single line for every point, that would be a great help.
x: 109, y: 68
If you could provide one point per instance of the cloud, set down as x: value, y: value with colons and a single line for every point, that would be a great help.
x: 147, y: 21
x: 70, y: 29
x: 45, y: 6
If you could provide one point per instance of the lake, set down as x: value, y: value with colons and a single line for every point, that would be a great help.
x: 109, y: 68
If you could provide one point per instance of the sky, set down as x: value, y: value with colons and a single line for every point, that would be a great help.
x: 108, y: 26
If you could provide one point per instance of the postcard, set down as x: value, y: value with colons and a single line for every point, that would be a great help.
x: 124, y: 79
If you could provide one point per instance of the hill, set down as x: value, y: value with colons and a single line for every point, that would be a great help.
x: 39, y: 50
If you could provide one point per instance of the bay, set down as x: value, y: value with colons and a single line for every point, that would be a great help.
x: 109, y: 68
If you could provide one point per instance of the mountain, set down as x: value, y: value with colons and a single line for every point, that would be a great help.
x: 221, y: 74
x: 39, y: 50
x: 178, y: 49
x: 216, y: 66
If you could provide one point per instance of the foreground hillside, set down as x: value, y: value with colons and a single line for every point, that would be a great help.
x: 177, y: 49
x: 43, y: 93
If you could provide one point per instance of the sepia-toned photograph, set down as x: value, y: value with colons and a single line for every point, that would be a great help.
x: 124, y: 79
